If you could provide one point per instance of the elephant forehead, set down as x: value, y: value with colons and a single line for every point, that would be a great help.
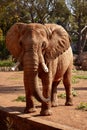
x: 32, y: 39
x: 30, y: 45
x: 35, y: 31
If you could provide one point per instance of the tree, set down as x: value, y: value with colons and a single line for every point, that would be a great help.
x: 79, y: 23
x: 3, y: 51
x: 60, y: 13
x: 41, y: 11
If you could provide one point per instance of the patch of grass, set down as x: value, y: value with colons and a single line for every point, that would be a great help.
x: 74, y: 93
x: 80, y: 76
x: 14, y: 78
x: 21, y: 99
x: 74, y: 80
x: 63, y: 95
x: 6, y: 63
x: 82, y: 106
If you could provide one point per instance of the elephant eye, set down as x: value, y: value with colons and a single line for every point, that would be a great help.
x: 21, y: 43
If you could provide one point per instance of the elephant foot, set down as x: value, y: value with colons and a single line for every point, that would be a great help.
x: 68, y: 103
x: 54, y: 103
x: 29, y: 110
x: 46, y: 112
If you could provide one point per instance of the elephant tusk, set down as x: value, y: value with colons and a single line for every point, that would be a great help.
x: 45, y: 68
x: 15, y: 66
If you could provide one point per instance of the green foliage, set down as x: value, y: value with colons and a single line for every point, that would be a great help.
x: 74, y: 93
x: 78, y: 75
x: 3, y: 51
x: 45, y: 11
x: 78, y: 21
x: 82, y: 106
x: 4, y: 54
x: 63, y: 95
x: 61, y: 15
x: 40, y: 11
x: 32, y: 11
x: 21, y: 99
x: 74, y: 80
x: 6, y: 63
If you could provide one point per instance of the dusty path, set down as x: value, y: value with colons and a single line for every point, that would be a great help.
x: 11, y: 86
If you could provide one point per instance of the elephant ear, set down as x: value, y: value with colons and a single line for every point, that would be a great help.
x: 59, y: 41
x: 13, y: 39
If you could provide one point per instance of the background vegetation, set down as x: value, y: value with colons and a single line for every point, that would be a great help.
x: 71, y: 14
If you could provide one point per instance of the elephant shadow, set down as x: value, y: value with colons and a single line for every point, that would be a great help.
x: 10, y: 89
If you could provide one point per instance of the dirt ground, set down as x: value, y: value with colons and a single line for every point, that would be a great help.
x: 11, y: 86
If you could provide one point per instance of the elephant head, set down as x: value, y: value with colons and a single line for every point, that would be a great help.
x: 34, y: 44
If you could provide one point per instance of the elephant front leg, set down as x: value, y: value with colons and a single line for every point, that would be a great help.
x: 46, y: 107
x: 30, y: 108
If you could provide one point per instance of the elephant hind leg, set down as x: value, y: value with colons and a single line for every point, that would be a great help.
x: 68, y: 88
x: 54, y: 98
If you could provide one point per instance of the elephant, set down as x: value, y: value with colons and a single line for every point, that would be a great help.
x: 45, y: 52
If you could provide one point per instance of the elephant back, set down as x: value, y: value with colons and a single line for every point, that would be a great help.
x: 12, y: 41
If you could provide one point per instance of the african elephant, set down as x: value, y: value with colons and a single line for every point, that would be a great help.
x: 45, y: 52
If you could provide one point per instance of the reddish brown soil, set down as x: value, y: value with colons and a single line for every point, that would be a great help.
x: 11, y: 86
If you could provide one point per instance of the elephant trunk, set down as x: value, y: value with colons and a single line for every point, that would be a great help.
x: 31, y: 77
x: 36, y: 88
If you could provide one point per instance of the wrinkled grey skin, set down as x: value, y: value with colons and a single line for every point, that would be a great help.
x: 45, y: 52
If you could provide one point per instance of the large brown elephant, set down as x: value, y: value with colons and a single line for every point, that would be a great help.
x: 45, y: 52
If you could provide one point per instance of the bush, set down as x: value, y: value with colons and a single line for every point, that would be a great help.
x: 63, y: 95
x: 21, y: 98
x: 4, y: 53
x: 82, y: 106
x: 6, y: 63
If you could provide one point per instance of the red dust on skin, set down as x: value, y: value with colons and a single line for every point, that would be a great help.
x: 32, y: 39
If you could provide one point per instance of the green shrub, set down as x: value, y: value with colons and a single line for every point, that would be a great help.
x: 77, y: 77
x: 82, y: 106
x: 74, y: 80
x: 74, y: 93
x: 6, y: 63
x: 80, y: 76
x: 63, y: 95
x: 21, y: 99
x: 4, y: 54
